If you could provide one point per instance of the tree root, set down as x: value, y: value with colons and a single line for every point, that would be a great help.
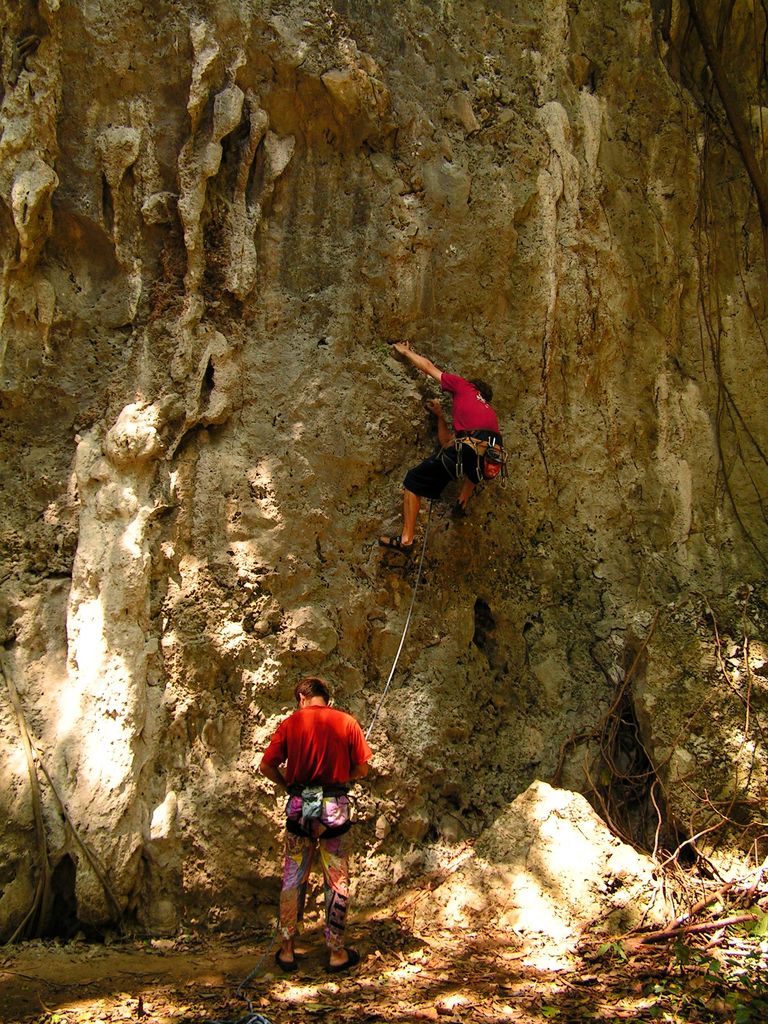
x: 36, y: 920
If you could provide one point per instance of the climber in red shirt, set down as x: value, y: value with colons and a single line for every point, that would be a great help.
x: 323, y: 750
x: 474, y: 420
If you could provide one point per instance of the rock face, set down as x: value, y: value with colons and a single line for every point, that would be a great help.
x: 213, y: 217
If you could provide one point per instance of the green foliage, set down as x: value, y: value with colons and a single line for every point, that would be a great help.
x: 612, y: 951
x: 703, y: 984
x: 687, y: 956
x: 747, y: 1010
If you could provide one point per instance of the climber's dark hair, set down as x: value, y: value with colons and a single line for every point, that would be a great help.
x: 312, y: 686
x: 484, y: 388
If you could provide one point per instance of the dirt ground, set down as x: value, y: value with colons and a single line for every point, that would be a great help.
x: 403, y: 977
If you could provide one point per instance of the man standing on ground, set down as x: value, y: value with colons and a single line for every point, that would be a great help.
x: 473, y: 418
x: 324, y: 750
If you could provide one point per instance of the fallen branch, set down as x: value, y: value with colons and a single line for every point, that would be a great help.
x: 702, y: 905
x: 689, y: 929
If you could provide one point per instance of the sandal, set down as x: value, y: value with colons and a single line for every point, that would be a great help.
x: 285, y: 965
x: 395, y: 544
x: 353, y: 957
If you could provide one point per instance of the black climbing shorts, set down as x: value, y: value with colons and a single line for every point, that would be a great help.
x: 430, y: 478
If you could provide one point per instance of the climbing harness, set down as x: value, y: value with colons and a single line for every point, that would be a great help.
x: 312, y: 809
x: 312, y: 801
x: 488, y: 452
x: 405, y: 628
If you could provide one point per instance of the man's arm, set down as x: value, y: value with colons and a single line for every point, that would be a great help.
x: 273, y: 773
x: 358, y: 771
x: 420, y: 362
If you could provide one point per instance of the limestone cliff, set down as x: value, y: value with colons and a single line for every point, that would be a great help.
x: 214, y: 216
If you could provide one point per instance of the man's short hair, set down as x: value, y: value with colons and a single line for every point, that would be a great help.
x: 312, y: 686
x: 484, y: 388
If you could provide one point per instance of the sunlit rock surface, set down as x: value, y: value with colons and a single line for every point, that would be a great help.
x: 213, y: 217
x: 548, y: 868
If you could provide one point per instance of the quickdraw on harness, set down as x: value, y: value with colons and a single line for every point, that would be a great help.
x: 485, y: 448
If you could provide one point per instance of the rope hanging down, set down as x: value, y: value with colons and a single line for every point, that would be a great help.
x: 407, y: 624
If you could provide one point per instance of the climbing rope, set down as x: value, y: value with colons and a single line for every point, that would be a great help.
x: 407, y: 624
x: 250, y: 1018
x: 239, y: 991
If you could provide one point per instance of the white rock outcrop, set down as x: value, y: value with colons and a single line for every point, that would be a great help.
x: 549, y: 868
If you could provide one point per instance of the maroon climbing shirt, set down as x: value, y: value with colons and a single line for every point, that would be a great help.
x: 470, y: 409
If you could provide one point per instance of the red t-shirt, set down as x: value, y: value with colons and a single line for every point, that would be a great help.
x: 320, y: 744
x: 470, y: 409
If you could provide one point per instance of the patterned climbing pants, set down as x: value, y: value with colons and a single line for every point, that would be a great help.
x: 333, y: 854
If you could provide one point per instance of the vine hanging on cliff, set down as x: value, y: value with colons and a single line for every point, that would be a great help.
x: 724, y: 82
x: 730, y: 106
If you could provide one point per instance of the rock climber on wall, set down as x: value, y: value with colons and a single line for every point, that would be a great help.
x: 474, y: 451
